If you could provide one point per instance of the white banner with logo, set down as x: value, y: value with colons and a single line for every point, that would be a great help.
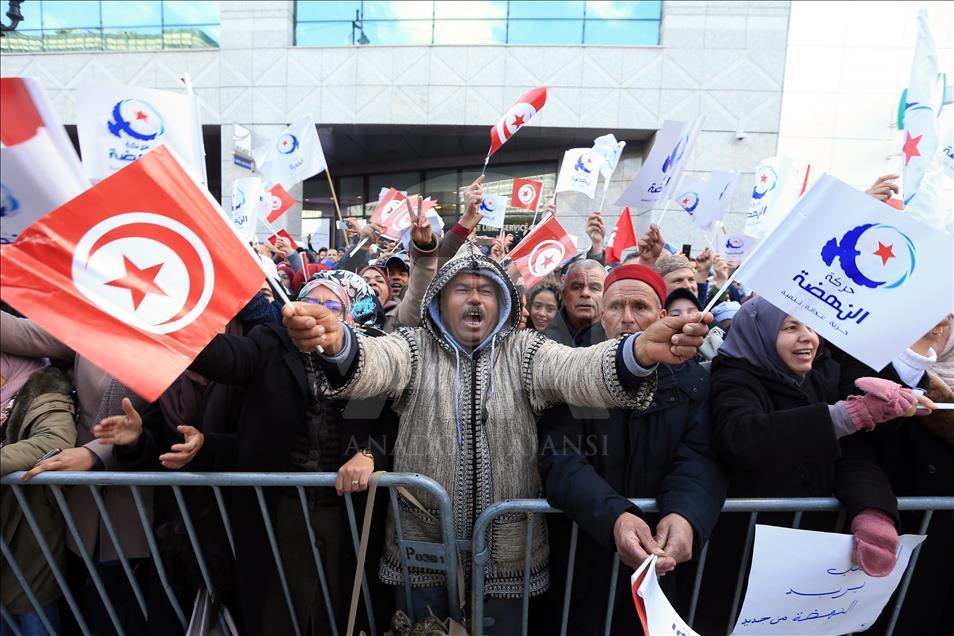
x: 248, y: 196
x: 117, y: 124
x: 864, y: 276
x: 494, y: 210
x: 580, y: 172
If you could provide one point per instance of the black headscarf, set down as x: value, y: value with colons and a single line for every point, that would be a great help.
x: 753, y: 336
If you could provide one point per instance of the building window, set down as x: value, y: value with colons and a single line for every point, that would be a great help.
x: 320, y: 23
x: 114, y: 25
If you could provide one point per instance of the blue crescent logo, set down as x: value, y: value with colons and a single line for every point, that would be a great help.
x: 734, y: 244
x: 872, y: 252
x: 239, y: 200
x: 583, y: 167
x: 765, y: 183
x: 135, y: 118
x: 8, y: 203
x: 287, y: 144
x: 689, y: 201
x: 676, y: 154
x: 487, y: 205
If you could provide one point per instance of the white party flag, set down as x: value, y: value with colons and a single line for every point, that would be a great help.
x: 580, y: 171
x: 851, y: 268
x: 659, y: 175
x: 248, y: 201
x: 609, y: 151
x: 293, y: 156
x: 779, y: 181
x: 118, y: 124
x: 924, y: 153
x: 494, y: 210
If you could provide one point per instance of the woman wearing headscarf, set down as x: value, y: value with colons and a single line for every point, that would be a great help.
x: 782, y: 430
x: 36, y: 418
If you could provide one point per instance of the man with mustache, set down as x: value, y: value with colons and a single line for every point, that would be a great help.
x: 467, y: 387
x: 578, y: 322
x: 593, y: 461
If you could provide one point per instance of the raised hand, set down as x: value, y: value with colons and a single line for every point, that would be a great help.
x: 672, y: 340
x: 312, y: 326
x: 883, y: 187
x: 284, y: 246
x: 421, y: 231
x: 473, y: 195
x: 120, y: 430
x: 596, y: 230
x: 181, y: 454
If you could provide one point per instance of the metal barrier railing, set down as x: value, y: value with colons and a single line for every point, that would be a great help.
x: 136, y: 481
x: 483, y: 525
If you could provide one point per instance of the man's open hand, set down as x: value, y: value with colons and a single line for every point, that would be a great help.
x: 672, y: 340
x: 312, y: 326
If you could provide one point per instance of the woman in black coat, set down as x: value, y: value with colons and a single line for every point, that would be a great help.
x: 782, y: 431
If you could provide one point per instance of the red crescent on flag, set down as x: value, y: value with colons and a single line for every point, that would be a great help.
x: 172, y: 240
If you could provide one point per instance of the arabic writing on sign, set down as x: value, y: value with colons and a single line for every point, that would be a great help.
x: 831, y: 298
x: 130, y: 152
x: 655, y: 189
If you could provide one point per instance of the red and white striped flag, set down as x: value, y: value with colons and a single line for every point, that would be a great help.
x: 519, y: 114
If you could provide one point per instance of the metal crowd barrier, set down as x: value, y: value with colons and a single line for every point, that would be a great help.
x: 135, y: 481
x: 483, y: 525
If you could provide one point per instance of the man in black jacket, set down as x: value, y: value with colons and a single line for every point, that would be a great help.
x: 593, y: 461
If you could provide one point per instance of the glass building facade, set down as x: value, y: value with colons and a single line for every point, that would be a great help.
x: 577, y: 22
x: 109, y: 25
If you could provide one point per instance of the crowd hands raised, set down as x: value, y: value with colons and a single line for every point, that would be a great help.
x: 594, y: 386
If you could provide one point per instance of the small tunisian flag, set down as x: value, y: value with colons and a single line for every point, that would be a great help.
x: 622, y: 238
x: 273, y: 239
x: 542, y: 251
x: 281, y: 201
x: 138, y: 273
x: 519, y: 114
x: 526, y: 194
x: 392, y: 213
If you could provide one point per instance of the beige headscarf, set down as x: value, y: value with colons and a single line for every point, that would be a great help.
x: 944, y: 367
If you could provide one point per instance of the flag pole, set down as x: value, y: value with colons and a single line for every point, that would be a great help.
x: 484, y: 171
x: 334, y: 197
x: 664, y: 212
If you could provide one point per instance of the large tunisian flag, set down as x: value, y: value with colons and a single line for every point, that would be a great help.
x: 519, y: 114
x: 137, y: 273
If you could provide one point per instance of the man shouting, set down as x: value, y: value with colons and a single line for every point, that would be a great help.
x: 468, y: 388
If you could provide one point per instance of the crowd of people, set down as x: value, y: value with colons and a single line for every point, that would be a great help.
x: 596, y: 385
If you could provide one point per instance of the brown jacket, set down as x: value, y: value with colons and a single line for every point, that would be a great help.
x: 41, y: 420
x: 23, y: 337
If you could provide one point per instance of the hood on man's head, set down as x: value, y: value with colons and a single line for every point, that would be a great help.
x: 470, y: 259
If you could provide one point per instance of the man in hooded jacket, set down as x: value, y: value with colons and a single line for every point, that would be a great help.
x: 480, y: 442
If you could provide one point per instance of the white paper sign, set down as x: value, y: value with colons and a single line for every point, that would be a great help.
x: 852, y: 268
x: 803, y: 582
x: 655, y: 611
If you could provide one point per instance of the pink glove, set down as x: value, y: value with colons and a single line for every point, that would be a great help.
x: 883, y: 400
x: 876, y: 542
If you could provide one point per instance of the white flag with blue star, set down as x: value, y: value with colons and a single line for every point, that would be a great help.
x: 293, y: 156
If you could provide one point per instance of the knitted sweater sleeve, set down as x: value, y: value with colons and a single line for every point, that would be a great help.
x: 583, y: 376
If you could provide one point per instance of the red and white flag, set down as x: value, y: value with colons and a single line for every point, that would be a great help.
x: 39, y: 168
x: 542, y: 251
x: 623, y: 237
x: 391, y: 212
x: 273, y: 239
x: 519, y: 114
x: 280, y: 203
x: 526, y: 194
x: 137, y: 274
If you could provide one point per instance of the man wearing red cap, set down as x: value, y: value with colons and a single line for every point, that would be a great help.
x: 592, y: 461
